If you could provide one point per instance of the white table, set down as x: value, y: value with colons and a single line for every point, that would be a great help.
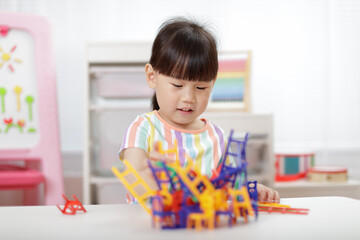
x: 329, y: 218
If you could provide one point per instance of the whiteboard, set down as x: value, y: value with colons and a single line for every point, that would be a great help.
x: 19, y: 126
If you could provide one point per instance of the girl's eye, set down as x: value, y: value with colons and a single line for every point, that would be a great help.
x: 201, y: 88
x: 175, y: 85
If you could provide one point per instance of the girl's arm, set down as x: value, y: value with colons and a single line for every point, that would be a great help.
x: 137, y: 157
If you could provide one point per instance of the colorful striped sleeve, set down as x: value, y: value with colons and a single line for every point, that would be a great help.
x: 136, y: 135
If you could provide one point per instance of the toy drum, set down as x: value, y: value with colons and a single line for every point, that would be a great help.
x: 293, y: 166
x: 327, y: 174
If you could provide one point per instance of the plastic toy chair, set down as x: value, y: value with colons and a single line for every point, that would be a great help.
x: 34, y: 139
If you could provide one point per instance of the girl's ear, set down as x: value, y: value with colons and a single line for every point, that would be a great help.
x: 213, y: 83
x: 150, y: 75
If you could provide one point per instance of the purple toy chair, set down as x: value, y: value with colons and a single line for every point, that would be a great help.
x: 29, y: 132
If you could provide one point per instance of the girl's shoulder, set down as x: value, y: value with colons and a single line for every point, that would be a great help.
x: 144, y: 117
x: 214, y: 126
x: 147, y: 114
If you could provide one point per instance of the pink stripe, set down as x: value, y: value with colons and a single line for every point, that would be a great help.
x: 133, y: 130
x: 13, y: 49
x: 11, y: 68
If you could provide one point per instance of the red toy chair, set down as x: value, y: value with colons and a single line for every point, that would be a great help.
x: 28, y: 109
x: 71, y: 206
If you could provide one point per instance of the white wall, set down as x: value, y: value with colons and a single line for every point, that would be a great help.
x: 306, y: 57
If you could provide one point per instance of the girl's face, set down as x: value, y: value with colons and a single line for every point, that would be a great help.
x: 181, y: 102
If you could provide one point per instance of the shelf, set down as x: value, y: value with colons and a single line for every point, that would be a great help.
x: 120, y: 105
x: 97, y: 180
x: 111, y: 53
x: 306, y: 184
x: 261, y: 178
x: 304, y: 188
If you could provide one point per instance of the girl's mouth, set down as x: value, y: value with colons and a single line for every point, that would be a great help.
x: 187, y: 110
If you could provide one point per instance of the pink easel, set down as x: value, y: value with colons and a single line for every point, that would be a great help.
x: 45, y: 152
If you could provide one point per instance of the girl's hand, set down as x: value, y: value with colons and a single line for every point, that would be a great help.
x: 266, y: 194
x: 137, y: 157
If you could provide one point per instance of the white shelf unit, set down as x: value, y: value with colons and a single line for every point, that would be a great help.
x: 112, y: 103
x: 109, y: 112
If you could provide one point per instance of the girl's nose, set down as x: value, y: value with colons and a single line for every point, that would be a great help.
x: 188, y: 95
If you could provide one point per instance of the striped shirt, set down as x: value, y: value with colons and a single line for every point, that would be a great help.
x: 205, y: 146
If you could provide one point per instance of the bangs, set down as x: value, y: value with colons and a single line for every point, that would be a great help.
x: 186, y: 52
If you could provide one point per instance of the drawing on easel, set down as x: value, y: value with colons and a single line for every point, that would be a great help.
x: 8, y: 59
x: 18, y: 89
x: 232, y: 86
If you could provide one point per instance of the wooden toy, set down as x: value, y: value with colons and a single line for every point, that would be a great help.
x: 327, y: 174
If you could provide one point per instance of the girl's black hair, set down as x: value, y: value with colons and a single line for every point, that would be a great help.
x: 184, y: 49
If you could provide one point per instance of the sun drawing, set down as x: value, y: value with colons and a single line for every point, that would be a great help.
x: 6, y: 58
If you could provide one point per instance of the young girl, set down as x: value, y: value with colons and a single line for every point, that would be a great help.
x: 182, y: 71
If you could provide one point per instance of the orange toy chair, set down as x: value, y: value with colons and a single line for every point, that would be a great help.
x: 28, y: 110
